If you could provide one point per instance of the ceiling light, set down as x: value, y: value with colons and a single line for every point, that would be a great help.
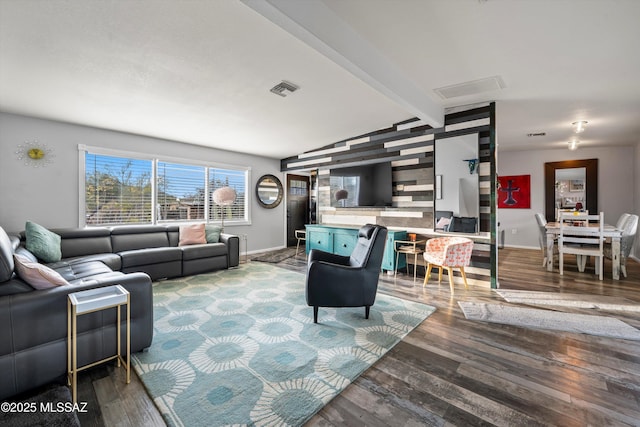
x: 573, y: 144
x: 578, y: 127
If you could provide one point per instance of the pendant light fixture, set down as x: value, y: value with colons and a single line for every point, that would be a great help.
x: 579, y: 126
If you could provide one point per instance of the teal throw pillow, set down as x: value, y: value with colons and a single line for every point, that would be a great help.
x: 212, y: 233
x: 42, y: 243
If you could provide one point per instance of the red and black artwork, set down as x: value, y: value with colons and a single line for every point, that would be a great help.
x: 514, y: 192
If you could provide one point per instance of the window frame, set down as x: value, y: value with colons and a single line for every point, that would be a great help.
x: 83, y: 150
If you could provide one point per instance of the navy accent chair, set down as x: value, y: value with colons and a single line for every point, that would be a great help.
x: 347, y: 281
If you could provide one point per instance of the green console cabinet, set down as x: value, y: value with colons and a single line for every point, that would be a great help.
x: 389, y: 260
x: 342, y: 241
x: 319, y: 238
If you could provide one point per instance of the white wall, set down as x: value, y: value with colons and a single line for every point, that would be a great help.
x: 49, y: 195
x: 617, y: 186
x: 636, y: 178
x: 459, y: 187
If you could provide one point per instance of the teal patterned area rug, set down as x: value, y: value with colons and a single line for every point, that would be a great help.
x: 239, y: 347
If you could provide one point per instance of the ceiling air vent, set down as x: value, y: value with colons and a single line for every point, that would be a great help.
x: 282, y: 88
x: 474, y: 87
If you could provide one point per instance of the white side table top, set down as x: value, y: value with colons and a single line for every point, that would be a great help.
x: 98, y: 298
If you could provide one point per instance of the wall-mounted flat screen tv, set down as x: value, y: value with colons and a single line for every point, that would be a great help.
x: 361, y: 186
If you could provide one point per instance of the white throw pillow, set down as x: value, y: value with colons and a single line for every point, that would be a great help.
x: 37, y: 275
x: 442, y: 223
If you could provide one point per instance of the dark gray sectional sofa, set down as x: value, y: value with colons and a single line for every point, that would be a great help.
x: 33, y: 323
x: 152, y: 249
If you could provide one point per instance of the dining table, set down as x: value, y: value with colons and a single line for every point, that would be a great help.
x: 609, y: 232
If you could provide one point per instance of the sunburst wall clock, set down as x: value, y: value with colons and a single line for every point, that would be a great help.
x: 34, y: 153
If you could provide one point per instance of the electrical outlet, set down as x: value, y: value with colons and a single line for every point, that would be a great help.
x: 514, y: 231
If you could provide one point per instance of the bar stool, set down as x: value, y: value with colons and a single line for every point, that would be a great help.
x: 301, y: 235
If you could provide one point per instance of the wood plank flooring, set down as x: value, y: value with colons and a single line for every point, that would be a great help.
x: 451, y: 371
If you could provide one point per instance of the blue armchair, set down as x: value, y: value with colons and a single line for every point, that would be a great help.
x: 347, y: 281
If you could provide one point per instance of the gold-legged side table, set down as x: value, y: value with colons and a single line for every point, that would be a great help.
x: 409, y: 247
x: 89, y: 301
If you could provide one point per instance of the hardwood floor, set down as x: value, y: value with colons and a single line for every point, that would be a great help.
x: 451, y: 371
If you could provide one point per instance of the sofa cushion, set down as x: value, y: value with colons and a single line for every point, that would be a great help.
x: 192, y: 234
x: 96, y: 279
x: 149, y: 256
x: 79, y: 269
x: 113, y: 261
x: 84, y: 241
x: 37, y: 275
x: 128, y: 238
x: 42, y: 243
x: 212, y: 233
x: 203, y: 251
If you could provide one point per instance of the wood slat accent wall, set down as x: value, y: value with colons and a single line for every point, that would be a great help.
x: 409, y: 145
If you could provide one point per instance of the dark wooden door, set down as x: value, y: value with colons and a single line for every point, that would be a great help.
x: 297, y: 205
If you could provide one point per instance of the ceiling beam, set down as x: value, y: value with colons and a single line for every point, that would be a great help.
x: 313, y: 23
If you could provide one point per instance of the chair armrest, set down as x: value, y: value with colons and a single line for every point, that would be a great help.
x: 334, y: 285
x: 233, y: 248
x: 325, y: 267
x: 318, y: 255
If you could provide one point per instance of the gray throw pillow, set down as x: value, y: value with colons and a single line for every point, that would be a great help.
x: 212, y: 233
x: 43, y: 243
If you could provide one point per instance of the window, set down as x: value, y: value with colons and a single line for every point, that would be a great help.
x: 127, y: 190
x: 117, y: 190
x: 298, y: 187
x: 235, y: 179
x: 180, y: 192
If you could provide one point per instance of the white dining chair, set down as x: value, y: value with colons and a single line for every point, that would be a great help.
x: 629, y: 229
x: 542, y: 237
x: 622, y: 220
x: 577, y: 237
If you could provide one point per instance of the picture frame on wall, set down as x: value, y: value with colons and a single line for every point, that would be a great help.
x: 576, y: 185
x: 514, y: 192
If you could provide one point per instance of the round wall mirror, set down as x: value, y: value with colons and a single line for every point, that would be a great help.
x: 269, y: 191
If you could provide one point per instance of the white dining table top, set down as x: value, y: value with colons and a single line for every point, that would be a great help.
x: 609, y: 230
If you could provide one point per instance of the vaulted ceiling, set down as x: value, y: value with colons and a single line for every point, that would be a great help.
x: 200, y: 71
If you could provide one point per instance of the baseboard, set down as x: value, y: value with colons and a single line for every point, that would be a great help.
x: 522, y: 247
x: 265, y: 250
